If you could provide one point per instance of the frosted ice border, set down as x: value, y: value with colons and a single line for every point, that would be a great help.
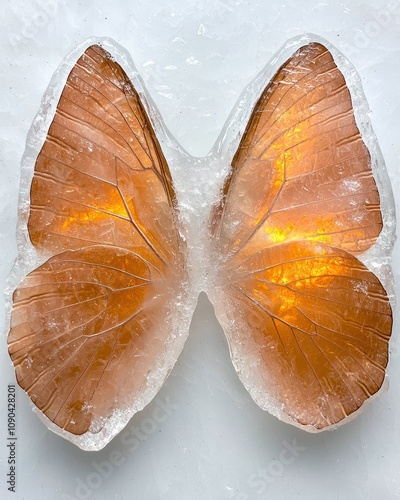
x: 194, y: 207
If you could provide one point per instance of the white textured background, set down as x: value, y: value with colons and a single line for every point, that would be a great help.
x: 202, y: 437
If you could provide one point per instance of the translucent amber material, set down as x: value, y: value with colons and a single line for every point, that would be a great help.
x: 89, y: 325
x: 311, y: 320
x: 307, y: 323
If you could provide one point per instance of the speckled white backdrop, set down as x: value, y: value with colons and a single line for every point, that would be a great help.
x: 202, y: 437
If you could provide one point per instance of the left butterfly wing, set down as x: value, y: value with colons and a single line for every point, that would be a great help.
x: 307, y: 323
x: 92, y: 329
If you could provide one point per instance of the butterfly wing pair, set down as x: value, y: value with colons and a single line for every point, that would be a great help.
x: 307, y: 323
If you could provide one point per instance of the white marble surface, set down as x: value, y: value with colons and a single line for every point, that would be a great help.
x: 202, y: 437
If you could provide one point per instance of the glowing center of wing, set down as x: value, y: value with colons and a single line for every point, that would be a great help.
x: 94, y: 215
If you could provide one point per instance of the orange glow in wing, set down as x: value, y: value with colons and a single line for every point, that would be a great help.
x: 91, y: 216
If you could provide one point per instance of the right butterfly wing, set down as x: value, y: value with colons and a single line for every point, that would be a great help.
x: 307, y: 323
x: 92, y: 329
